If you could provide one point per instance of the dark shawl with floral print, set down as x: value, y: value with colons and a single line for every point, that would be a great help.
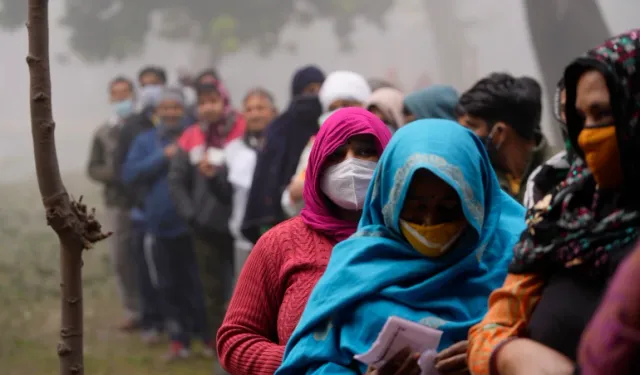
x: 572, y: 227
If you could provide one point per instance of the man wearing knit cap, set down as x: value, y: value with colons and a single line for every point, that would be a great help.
x: 175, y: 273
x: 343, y: 89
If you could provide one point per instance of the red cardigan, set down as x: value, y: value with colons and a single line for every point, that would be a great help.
x: 270, y: 296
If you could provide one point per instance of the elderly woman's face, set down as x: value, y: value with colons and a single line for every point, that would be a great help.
x: 430, y: 201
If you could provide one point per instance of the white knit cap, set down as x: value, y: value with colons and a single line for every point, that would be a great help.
x: 343, y: 85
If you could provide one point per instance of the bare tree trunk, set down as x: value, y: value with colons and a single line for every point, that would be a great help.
x: 76, y: 228
x: 452, y: 46
x: 562, y: 30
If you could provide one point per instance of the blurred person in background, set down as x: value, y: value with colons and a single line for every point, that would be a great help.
x: 504, y: 111
x: 433, y: 102
x: 151, y: 80
x: 548, y: 175
x: 206, y: 77
x: 341, y: 89
x: 386, y: 103
x: 187, y: 83
x: 198, y: 180
x: 288, y: 260
x: 259, y: 109
x: 284, y: 141
x: 378, y: 83
x: 176, y: 278
x: 102, y: 169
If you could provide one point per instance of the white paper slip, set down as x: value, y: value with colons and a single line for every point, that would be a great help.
x: 241, y: 167
x: 215, y: 156
x: 196, y: 154
x: 397, y: 334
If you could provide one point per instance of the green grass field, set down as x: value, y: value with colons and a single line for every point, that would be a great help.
x: 29, y: 290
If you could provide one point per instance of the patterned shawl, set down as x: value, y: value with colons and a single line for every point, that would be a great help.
x: 571, y: 228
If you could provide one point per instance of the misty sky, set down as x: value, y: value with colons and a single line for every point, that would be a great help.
x: 499, y: 38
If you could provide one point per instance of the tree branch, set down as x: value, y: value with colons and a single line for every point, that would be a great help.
x: 76, y: 228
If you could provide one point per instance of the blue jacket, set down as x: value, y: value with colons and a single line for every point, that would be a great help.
x: 147, y: 166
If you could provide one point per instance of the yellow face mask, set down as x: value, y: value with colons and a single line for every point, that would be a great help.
x: 432, y: 240
x: 600, y: 147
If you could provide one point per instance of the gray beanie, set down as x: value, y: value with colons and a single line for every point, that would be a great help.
x: 173, y: 94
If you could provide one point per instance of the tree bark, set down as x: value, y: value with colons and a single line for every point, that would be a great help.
x: 76, y: 228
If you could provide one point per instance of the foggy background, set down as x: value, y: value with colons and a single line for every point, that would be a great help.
x: 496, y: 38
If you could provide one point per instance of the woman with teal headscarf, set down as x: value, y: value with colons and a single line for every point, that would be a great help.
x: 435, y: 239
x: 433, y: 102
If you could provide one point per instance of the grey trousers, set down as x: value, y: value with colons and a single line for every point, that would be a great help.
x: 123, y: 259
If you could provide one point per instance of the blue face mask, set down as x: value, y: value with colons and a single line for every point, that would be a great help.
x: 123, y: 108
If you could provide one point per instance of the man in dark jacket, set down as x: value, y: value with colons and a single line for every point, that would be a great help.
x: 505, y: 111
x: 285, y: 139
x: 176, y: 278
x: 101, y: 169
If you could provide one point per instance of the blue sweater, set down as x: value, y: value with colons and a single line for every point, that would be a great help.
x: 147, y: 166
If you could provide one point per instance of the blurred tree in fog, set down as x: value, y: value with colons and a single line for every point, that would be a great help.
x: 102, y: 29
x: 560, y: 30
x: 13, y: 14
x: 449, y: 37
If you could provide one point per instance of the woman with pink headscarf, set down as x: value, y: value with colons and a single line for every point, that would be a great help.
x: 288, y: 260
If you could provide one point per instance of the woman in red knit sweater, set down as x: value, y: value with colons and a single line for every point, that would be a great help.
x: 288, y: 260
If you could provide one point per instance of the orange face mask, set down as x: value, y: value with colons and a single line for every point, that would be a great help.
x: 600, y: 147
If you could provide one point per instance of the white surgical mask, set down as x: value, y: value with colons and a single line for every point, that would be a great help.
x: 325, y: 116
x: 346, y: 183
x: 149, y: 96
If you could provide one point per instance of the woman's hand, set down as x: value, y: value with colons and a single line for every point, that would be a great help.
x: 453, y: 360
x: 527, y: 357
x: 403, y: 363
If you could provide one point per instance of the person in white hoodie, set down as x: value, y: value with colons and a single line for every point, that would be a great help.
x: 340, y: 89
x: 259, y: 110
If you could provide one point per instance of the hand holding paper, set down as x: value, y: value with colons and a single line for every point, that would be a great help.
x: 398, y: 334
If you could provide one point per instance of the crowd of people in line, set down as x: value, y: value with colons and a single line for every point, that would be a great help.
x: 284, y: 240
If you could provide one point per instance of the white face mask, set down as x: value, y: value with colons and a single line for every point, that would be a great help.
x: 346, y: 183
x: 324, y: 117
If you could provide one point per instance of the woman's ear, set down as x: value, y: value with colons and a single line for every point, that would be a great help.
x: 499, y: 133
